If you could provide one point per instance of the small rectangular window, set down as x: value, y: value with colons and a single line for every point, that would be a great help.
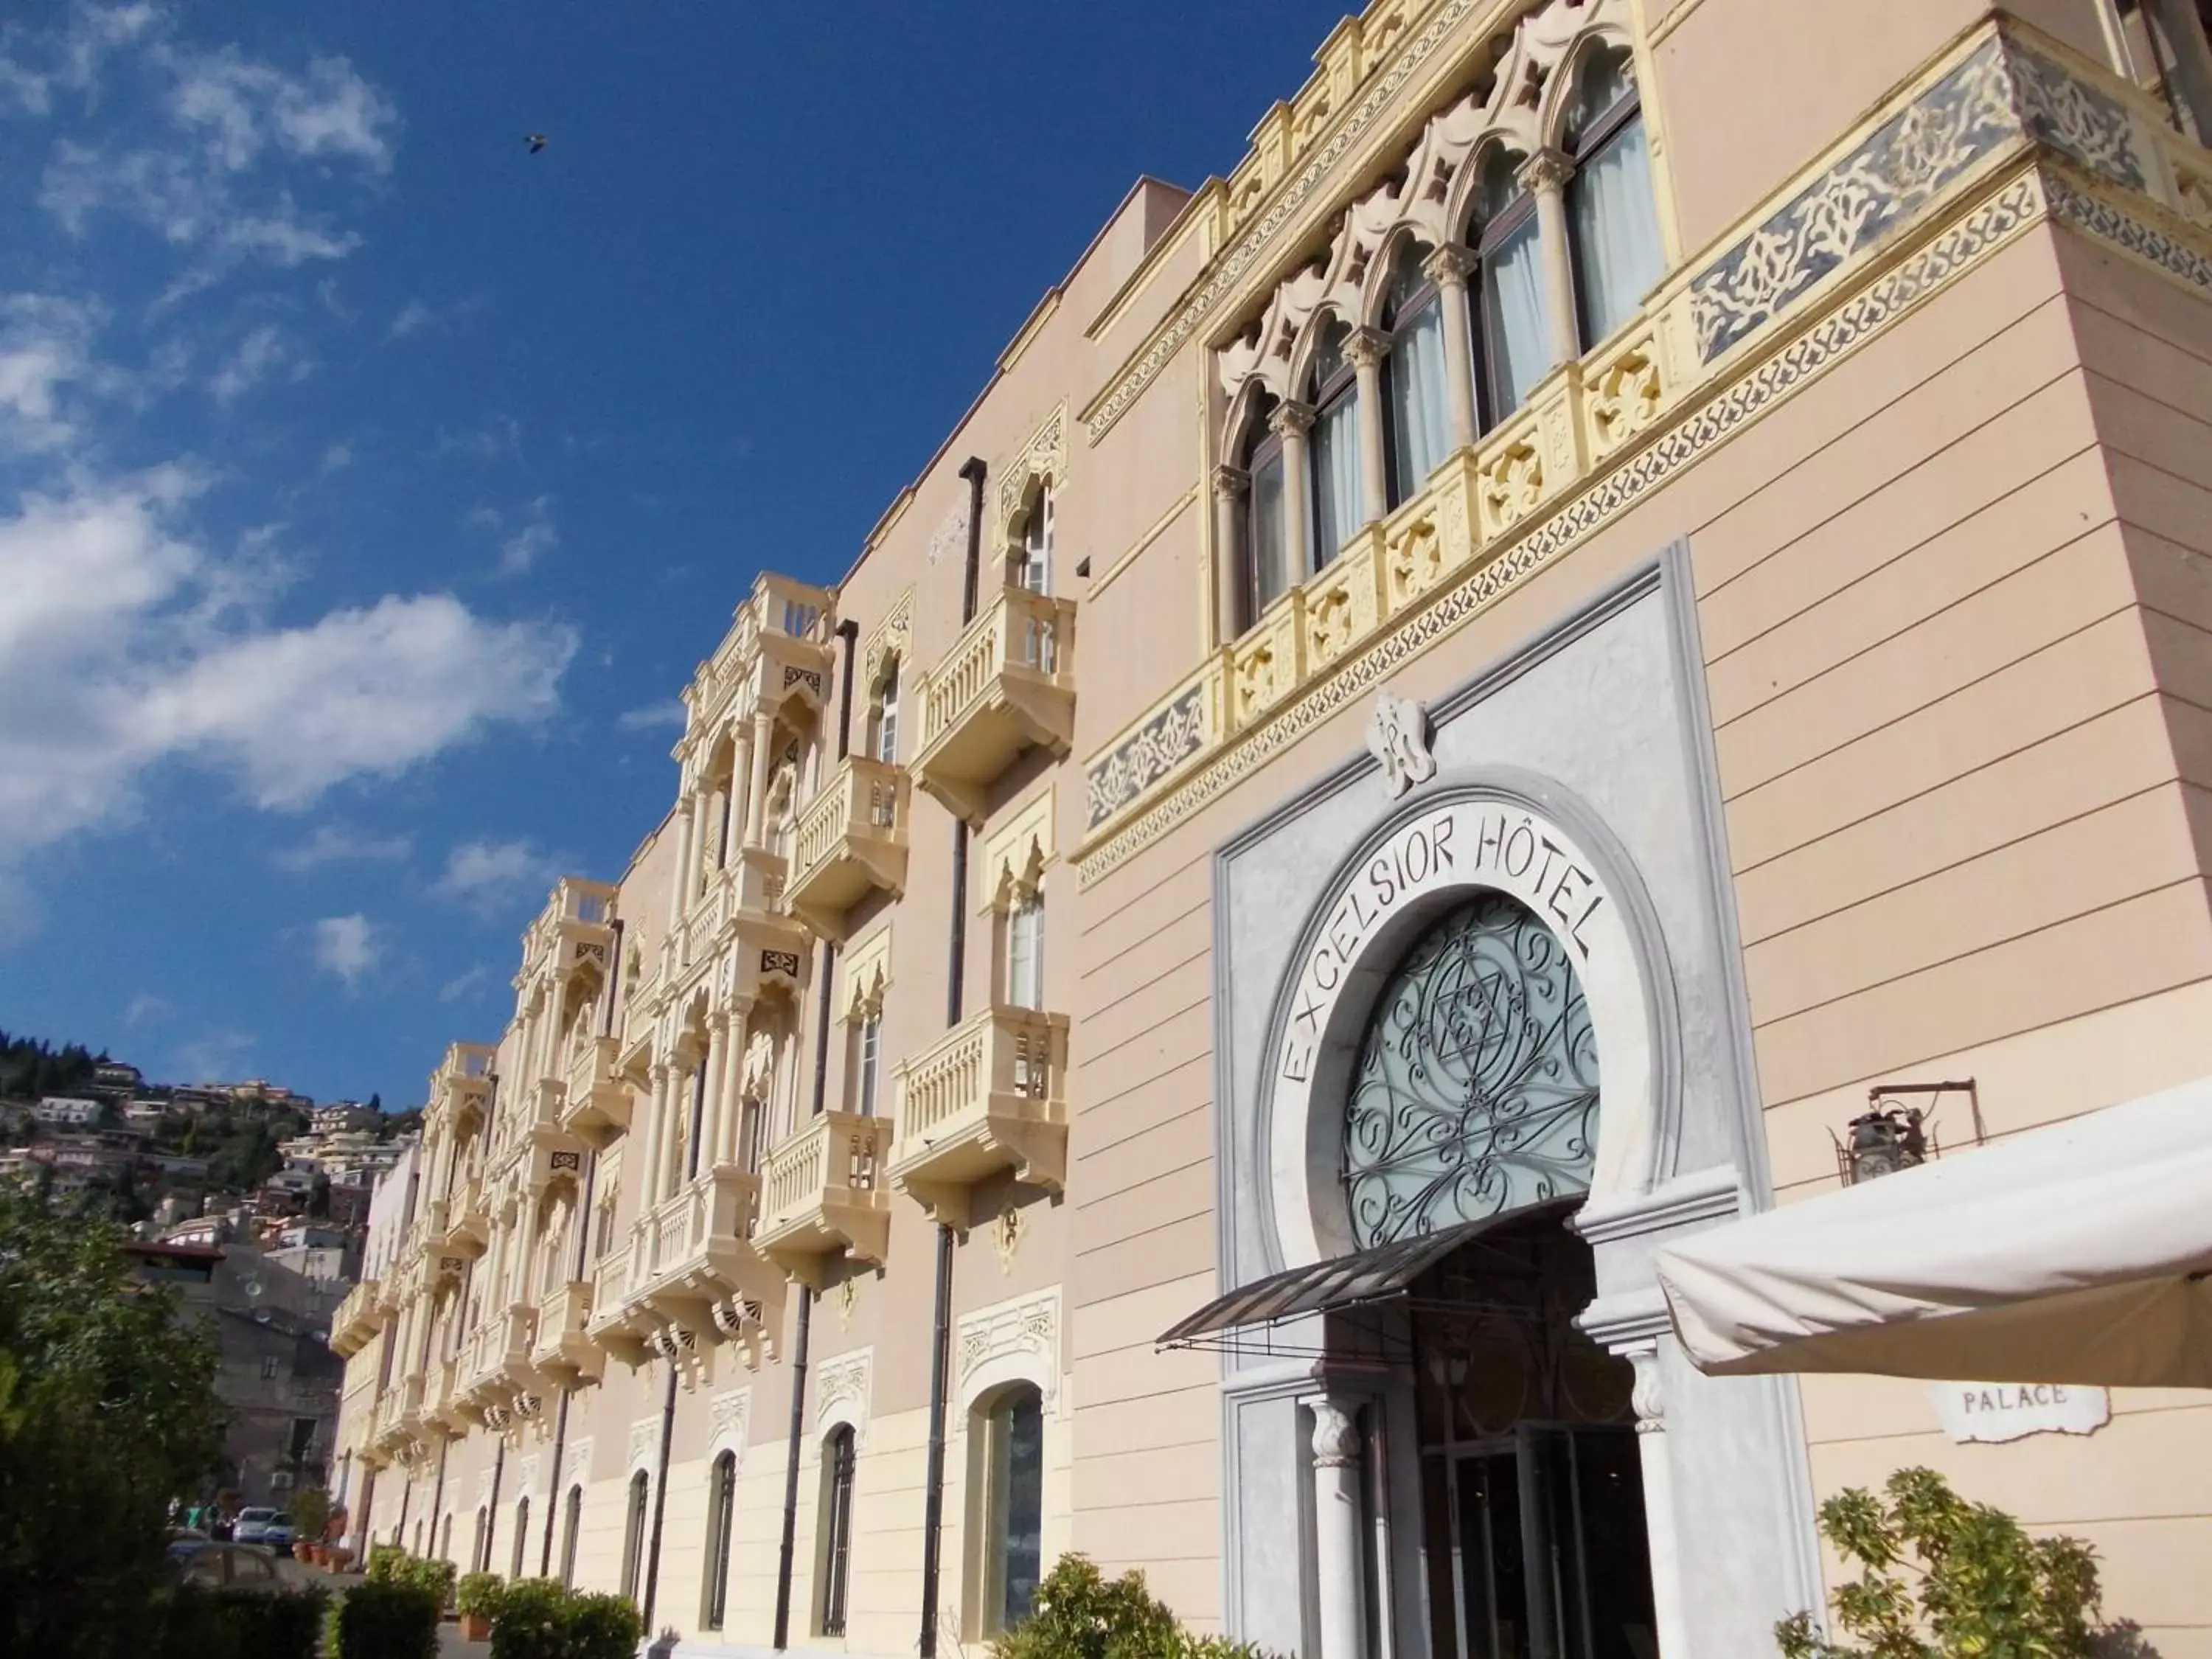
x: 887, y: 719
x: 871, y: 1033
x: 1025, y: 952
x: 270, y: 1364
x: 1036, y: 545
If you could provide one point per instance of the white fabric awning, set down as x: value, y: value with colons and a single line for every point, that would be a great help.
x: 2076, y: 1253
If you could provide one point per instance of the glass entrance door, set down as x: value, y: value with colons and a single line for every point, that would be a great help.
x: 1547, y: 1539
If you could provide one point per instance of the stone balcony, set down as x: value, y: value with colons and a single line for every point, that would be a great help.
x: 850, y: 840
x: 562, y: 1349
x: 777, y: 649
x: 574, y: 930
x: 462, y: 1083
x: 823, y: 1196
x: 445, y: 1407
x: 608, y: 1324
x: 536, y: 1144
x: 1008, y: 684
x: 460, y: 1223
x: 358, y: 1318
x: 596, y: 1103
x: 692, y: 1265
x: 417, y: 1399
x: 740, y: 921
x: 991, y: 1095
x: 496, y: 1361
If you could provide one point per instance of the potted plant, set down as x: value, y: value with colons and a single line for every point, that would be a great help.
x: 476, y: 1598
x: 311, y: 1517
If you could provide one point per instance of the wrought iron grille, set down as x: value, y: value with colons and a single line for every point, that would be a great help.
x: 1476, y: 1089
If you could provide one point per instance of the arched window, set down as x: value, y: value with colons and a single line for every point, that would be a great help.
x: 1515, y: 327
x: 1034, y: 571
x: 869, y: 1062
x: 1333, y: 389
x: 887, y: 714
x: 480, y: 1552
x: 1476, y: 1089
x: 571, y: 1526
x: 521, y: 1535
x: 721, y: 1511
x: 1009, y: 1512
x: 1025, y: 949
x: 1617, y: 252
x: 836, y: 1531
x: 634, y: 1534
x: 1416, y: 402
x: 1266, y: 526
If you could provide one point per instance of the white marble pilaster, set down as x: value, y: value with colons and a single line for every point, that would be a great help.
x: 1337, y: 1528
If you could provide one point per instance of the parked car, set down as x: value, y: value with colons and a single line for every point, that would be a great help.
x: 250, y: 1524
x: 229, y: 1566
x: 278, y: 1534
x: 184, y: 1540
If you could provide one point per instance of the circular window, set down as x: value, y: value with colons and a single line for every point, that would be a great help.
x: 1476, y: 1088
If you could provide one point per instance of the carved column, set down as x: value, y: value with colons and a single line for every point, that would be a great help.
x: 655, y: 1128
x: 679, y: 889
x: 1338, y: 1556
x: 1447, y: 268
x: 681, y: 1082
x: 732, y: 1085
x: 717, y: 1062
x: 1291, y: 422
x: 1659, y: 1504
x: 741, y: 771
x: 763, y: 751
x: 1367, y: 349
x: 1232, y: 485
x: 1545, y: 174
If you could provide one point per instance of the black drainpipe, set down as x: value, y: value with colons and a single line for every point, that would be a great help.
x: 491, y: 1515
x: 956, y: 958
x: 848, y: 631
x: 660, y: 1499
x: 791, y: 1469
x: 822, y: 1027
x: 972, y: 470
x: 932, y: 1514
x: 583, y: 1246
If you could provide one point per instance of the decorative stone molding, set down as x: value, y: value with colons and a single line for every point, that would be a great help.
x: 644, y: 1441
x: 576, y: 1466
x: 1010, y: 1342
x: 1043, y: 459
x: 526, y: 1476
x: 1230, y: 481
x: 1006, y: 1236
x: 841, y: 1388
x: 888, y: 642
x: 729, y: 1417
x: 1015, y: 857
x: 864, y: 974
x: 1398, y: 737
x: 1335, y: 1435
x: 1150, y: 754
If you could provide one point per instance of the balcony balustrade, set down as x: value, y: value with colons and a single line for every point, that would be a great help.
x: 609, y: 1324
x: 777, y: 649
x: 823, y: 1196
x: 445, y: 1407
x: 1008, y: 684
x: 692, y: 1264
x: 596, y: 1103
x: 562, y: 1349
x: 496, y: 1361
x: 850, y: 839
x: 360, y: 1316
x: 460, y: 1223
x: 989, y: 1096
x: 742, y: 911
x: 574, y: 930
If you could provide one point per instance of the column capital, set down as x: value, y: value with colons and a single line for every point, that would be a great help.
x: 1366, y: 348
x: 1546, y: 170
x: 1336, y: 1435
x: 1649, y: 1399
x: 1229, y: 482
x: 1291, y: 419
x: 1448, y: 264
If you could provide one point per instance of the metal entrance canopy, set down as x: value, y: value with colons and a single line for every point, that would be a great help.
x: 1344, y: 1282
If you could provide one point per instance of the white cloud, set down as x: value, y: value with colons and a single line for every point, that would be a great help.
x: 347, y: 946
x: 653, y: 714
x: 489, y: 876
x: 465, y: 985
x: 212, y: 1057
x: 125, y: 645
x: 145, y: 1009
x: 414, y: 317
x: 336, y: 458
x: 521, y: 550
x: 259, y: 355
x: 499, y: 438
x: 333, y: 843
x: 45, y: 346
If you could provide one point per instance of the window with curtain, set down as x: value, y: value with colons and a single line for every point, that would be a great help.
x: 1025, y: 951
x: 633, y: 1562
x: 1035, y: 573
x: 1011, y: 1518
x: 521, y: 1534
x: 871, y: 1047
x: 721, y: 1512
x: 1333, y: 451
x: 1416, y: 419
x: 1615, y: 224
x: 836, y: 1531
x: 1514, y: 328
x: 1267, y: 531
x: 887, y: 714
x: 570, y: 1527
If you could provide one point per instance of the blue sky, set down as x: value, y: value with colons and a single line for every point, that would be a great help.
x: 369, y: 487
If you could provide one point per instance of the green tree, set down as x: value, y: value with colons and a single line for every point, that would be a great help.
x: 107, y: 1414
x: 1942, y: 1578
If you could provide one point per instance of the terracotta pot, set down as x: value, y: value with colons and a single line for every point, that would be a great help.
x: 475, y: 1627
x: 303, y: 1553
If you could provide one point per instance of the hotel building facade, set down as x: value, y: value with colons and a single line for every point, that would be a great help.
x: 1637, y: 574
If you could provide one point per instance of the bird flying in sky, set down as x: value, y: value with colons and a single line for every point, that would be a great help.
x: 536, y: 140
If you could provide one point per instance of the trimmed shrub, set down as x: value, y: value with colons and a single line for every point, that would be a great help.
x: 234, y: 1623
x: 383, y: 1561
x: 436, y: 1577
x: 529, y: 1624
x: 1080, y: 1613
x: 479, y: 1593
x: 601, y: 1627
x: 384, y: 1619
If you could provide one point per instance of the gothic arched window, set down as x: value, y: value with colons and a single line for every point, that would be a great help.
x: 1476, y: 1087
x: 1333, y: 454
x: 1617, y: 252
x: 1417, y: 425
x: 1513, y: 327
